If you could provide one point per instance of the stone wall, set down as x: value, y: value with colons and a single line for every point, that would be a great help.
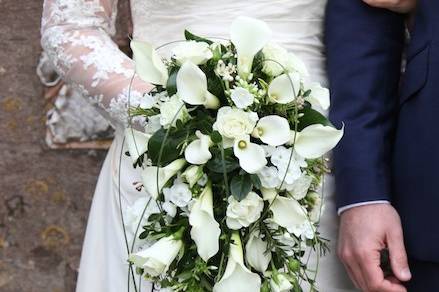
x: 45, y: 194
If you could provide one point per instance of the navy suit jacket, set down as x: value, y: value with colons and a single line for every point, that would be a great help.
x: 390, y: 150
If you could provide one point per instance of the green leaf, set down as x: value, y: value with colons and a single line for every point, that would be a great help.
x: 240, y: 186
x: 216, y: 164
x: 191, y: 37
x: 216, y: 137
x: 170, y: 146
x: 256, y: 181
x: 171, y: 85
x: 312, y: 117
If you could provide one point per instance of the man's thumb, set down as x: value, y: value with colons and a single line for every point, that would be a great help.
x: 398, y: 256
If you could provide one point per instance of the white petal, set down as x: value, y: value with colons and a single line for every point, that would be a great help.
x: 205, y: 231
x: 319, y: 96
x: 197, y: 152
x: 273, y: 130
x: 257, y: 253
x: 137, y: 143
x: 284, y: 88
x: 251, y: 156
x: 316, y: 140
x: 249, y: 36
x: 191, y: 84
x: 149, y: 65
x: 288, y: 213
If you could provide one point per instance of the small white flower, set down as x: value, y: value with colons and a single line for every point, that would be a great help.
x: 133, y: 214
x: 241, y: 97
x: 203, y: 180
x: 173, y: 110
x: 269, y: 177
x: 192, y: 174
x: 280, y: 283
x: 256, y: 252
x: 196, y: 52
x: 316, y: 207
x: 179, y: 193
x: 136, y: 142
x: 319, y: 97
x: 243, y: 213
x: 197, y: 152
x: 148, y: 101
x: 153, y: 124
x: 300, y: 187
x: 233, y: 123
x: 156, y: 259
x: 170, y: 209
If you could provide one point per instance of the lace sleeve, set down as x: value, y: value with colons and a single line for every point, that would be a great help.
x: 76, y: 34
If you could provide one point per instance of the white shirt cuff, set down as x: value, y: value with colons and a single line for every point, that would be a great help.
x: 342, y: 209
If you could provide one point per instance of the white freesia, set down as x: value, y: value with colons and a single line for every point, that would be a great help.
x: 256, y: 252
x: 179, y: 193
x: 149, y: 65
x: 233, y: 123
x: 249, y: 36
x: 149, y: 176
x: 241, y: 97
x: 192, y: 86
x: 251, y: 156
x: 319, y: 96
x: 288, y: 213
x: 173, y: 110
x: 192, y: 174
x: 284, y: 88
x: 280, y: 283
x: 205, y: 230
x: 316, y: 140
x: 137, y: 143
x: 197, y: 152
x: 243, y: 213
x: 237, y: 277
x: 193, y: 51
x: 156, y: 259
x: 272, y: 130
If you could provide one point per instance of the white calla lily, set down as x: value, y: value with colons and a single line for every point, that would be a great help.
x: 249, y: 36
x: 197, y: 152
x: 319, y: 96
x: 156, y: 259
x: 316, y: 140
x: 192, y: 174
x: 196, y: 52
x: 251, y: 156
x: 288, y: 213
x: 268, y: 194
x: 192, y: 86
x: 205, y: 230
x: 284, y: 88
x: 280, y: 283
x: 149, y: 176
x: 272, y: 130
x: 137, y: 143
x: 237, y: 277
x: 149, y: 65
x: 256, y: 252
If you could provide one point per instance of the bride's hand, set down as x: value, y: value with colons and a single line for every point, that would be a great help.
x: 400, y: 6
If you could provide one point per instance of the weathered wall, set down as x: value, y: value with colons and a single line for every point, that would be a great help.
x: 45, y: 194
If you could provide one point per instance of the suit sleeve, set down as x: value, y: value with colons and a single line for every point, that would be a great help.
x: 364, y: 48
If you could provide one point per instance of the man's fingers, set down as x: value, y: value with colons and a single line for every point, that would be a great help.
x: 352, y: 268
x: 398, y: 255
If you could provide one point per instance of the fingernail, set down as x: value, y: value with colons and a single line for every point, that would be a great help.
x: 405, y: 273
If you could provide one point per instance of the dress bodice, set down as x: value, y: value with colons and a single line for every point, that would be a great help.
x: 297, y: 25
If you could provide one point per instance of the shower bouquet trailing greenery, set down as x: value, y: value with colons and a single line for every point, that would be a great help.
x: 232, y: 160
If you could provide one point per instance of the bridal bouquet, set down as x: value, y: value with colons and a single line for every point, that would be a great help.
x: 231, y: 156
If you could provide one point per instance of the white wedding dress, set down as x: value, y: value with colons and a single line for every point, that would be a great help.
x: 77, y: 36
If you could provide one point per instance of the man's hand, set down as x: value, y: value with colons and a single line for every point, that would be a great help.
x: 400, y: 6
x: 364, y: 232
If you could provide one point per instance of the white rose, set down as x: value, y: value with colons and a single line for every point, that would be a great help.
x: 196, y: 52
x: 275, y: 56
x: 170, y: 111
x: 279, y: 283
x: 233, y: 123
x: 242, y: 214
x: 156, y: 259
x: 179, y: 193
x: 241, y: 97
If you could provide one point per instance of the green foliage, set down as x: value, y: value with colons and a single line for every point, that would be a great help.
x: 170, y: 144
x: 192, y: 37
x: 240, y: 186
x: 215, y: 164
x: 171, y: 85
x: 310, y: 117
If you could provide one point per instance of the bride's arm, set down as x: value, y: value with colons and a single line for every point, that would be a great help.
x: 77, y: 36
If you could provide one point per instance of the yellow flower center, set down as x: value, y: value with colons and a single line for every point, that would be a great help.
x: 242, y: 144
